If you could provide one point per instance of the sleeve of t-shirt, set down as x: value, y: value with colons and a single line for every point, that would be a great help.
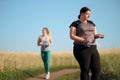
x: 91, y: 22
x: 74, y: 24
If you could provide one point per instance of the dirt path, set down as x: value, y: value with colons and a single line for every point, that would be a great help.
x: 54, y: 75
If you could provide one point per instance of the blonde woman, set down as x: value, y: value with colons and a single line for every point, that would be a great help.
x: 45, y: 41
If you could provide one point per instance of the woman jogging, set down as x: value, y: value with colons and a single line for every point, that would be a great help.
x: 83, y: 32
x: 45, y: 41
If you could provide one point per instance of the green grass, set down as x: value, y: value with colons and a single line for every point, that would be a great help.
x: 23, y: 74
x: 19, y: 74
x: 20, y: 66
x: 110, y: 66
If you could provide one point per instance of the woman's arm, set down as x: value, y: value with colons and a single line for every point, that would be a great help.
x: 98, y: 35
x: 39, y: 41
x: 50, y: 40
x: 73, y: 35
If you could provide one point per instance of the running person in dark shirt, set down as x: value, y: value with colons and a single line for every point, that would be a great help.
x: 83, y: 32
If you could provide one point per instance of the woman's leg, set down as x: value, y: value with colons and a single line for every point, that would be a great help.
x: 83, y: 57
x: 95, y: 64
x: 43, y: 58
x: 46, y: 60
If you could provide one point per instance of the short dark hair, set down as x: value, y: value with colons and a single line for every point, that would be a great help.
x: 83, y: 10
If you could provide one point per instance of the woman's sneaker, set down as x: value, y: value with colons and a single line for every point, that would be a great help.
x: 48, y: 75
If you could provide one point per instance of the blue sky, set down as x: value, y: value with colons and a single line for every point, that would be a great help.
x: 21, y: 22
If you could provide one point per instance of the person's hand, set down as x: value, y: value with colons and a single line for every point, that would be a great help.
x: 89, y: 40
x: 40, y: 44
x: 101, y: 35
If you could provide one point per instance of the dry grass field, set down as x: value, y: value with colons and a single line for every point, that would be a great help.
x: 21, y: 60
x: 10, y: 61
x: 13, y: 61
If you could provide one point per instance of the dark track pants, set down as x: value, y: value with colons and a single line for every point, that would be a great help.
x: 88, y: 59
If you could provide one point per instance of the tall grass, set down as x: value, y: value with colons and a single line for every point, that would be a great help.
x: 110, y: 67
x: 15, y: 61
x: 110, y: 64
x: 17, y: 66
x: 29, y: 64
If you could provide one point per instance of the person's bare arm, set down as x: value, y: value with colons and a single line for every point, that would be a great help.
x: 96, y: 35
x: 50, y: 41
x: 73, y: 35
x: 39, y: 41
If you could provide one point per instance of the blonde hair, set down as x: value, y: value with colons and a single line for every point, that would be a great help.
x: 48, y: 31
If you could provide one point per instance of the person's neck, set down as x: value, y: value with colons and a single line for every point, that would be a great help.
x: 45, y: 35
x: 83, y: 20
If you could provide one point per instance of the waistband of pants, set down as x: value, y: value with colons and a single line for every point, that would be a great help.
x: 83, y: 45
